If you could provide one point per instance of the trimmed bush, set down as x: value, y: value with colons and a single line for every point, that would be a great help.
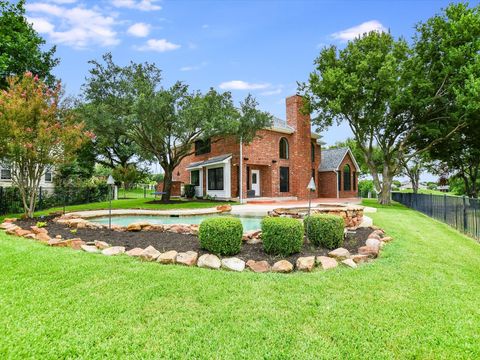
x: 325, y: 230
x: 221, y: 235
x: 282, y: 235
x: 189, y: 190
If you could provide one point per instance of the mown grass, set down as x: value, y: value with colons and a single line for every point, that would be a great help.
x: 130, y: 203
x: 419, y: 300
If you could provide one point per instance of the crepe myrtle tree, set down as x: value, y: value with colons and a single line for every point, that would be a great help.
x: 168, y: 121
x: 37, y: 133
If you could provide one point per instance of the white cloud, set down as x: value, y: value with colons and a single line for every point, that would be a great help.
x: 160, y: 45
x: 242, y: 85
x: 77, y: 26
x: 194, y: 67
x: 356, y: 31
x: 272, y: 92
x: 139, y: 30
x: 142, y: 5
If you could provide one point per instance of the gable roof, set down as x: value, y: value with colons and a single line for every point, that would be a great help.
x: 332, y: 159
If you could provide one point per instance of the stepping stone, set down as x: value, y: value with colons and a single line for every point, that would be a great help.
x: 114, y: 250
x: 305, y: 263
x: 135, y: 252
x: 188, y: 258
x: 339, y: 254
x: 168, y: 257
x: 349, y: 263
x: 90, y: 249
x: 209, y: 261
x: 150, y: 254
x: 326, y: 262
x: 233, y: 264
x: 282, y: 266
x: 258, y: 266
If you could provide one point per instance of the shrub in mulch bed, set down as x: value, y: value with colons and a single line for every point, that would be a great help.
x: 282, y: 235
x: 325, y: 230
x: 221, y: 235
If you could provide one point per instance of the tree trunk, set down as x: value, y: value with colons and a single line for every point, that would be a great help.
x: 167, y: 185
x: 415, y: 179
x: 387, y: 178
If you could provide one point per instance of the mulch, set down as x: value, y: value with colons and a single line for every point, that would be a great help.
x: 165, y: 241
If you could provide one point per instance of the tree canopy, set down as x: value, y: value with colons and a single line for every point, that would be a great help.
x: 21, y: 46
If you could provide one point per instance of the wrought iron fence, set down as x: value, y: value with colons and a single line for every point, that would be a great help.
x: 462, y: 213
x: 11, y: 201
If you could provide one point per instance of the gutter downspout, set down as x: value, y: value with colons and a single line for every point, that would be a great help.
x: 240, y: 175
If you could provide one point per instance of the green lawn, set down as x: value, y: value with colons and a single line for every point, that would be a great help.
x: 130, y: 203
x: 421, y: 299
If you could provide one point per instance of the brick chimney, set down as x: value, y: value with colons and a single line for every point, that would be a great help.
x: 300, y: 171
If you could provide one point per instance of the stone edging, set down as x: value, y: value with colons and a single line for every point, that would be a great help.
x: 376, y: 240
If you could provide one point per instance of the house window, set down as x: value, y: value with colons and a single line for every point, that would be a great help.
x: 203, y: 146
x: 312, y: 152
x: 215, y: 179
x: 354, y: 180
x: 284, y: 179
x: 195, y: 177
x: 48, y: 175
x: 313, y: 174
x: 339, y: 180
x: 5, y: 174
x: 347, y: 185
x: 283, y: 148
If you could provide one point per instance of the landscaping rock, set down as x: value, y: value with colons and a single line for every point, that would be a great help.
x: 22, y: 232
x: 209, y: 261
x: 251, y: 234
x: 359, y: 259
x: 11, y: 230
x: 224, y: 208
x: 339, y: 254
x: 282, y: 266
x: 43, y: 237
x: 305, y: 263
x: 101, y: 245
x: 188, y: 258
x: 134, y: 227
x: 150, y: 254
x: 349, y: 263
x: 37, y: 230
x: 326, y: 262
x: 75, y: 244
x: 30, y: 236
x: 135, y: 252
x: 387, y: 239
x: 9, y: 220
x: 254, y: 241
x: 233, y: 264
x: 374, y: 235
x: 369, y: 251
x: 7, y: 225
x: 74, y: 223
x: 114, y: 250
x: 258, y: 266
x: 168, y: 257
x: 90, y: 249
x: 372, y: 242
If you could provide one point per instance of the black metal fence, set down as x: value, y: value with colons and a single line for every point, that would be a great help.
x: 11, y: 201
x: 462, y: 213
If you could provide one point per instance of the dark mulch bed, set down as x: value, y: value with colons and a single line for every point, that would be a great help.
x: 184, y: 201
x: 164, y: 241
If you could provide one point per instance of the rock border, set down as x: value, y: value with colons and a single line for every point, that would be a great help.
x: 374, y: 243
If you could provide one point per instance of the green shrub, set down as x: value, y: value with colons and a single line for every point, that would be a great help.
x: 189, y: 190
x: 41, y: 224
x: 221, y: 235
x: 282, y: 235
x: 325, y: 230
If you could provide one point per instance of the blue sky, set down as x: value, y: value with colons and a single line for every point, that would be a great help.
x: 262, y: 47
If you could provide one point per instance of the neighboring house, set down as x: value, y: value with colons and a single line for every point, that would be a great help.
x: 279, y: 163
x: 407, y: 185
x: 6, y: 179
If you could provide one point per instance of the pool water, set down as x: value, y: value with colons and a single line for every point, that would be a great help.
x: 249, y: 223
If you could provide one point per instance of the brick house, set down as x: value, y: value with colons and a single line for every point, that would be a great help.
x: 279, y: 163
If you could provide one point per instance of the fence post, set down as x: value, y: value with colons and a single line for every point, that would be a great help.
x: 445, y: 208
x: 465, y: 220
x: 431, y: 204
x: 145, y: 191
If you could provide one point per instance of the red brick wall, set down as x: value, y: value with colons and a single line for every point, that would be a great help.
x: 354, y: 187
x: 327, y: 187
x: 263, y: 154
x: 176, y: 188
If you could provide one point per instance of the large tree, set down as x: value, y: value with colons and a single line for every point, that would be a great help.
x: 447, y: 68
x: 109, y: 95
x: 37, y: 134
x: 21, y: 47
x: 167, y: 121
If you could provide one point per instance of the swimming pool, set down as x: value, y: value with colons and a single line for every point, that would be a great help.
x: 248, y: 222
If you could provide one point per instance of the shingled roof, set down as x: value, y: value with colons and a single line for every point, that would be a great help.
x: 332, y: 159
